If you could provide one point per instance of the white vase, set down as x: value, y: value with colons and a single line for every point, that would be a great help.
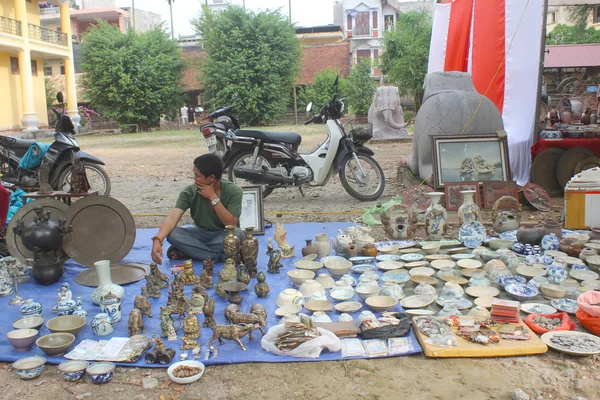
x: 468, y: 211
x: 105, y: 283
x: 322, y: 243
x: 435, y: 217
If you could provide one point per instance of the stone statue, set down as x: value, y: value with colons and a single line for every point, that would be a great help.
x: 44, y: 178
x: 449, y: 102
x: 385, y: 114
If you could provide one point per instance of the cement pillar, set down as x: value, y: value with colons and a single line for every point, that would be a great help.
x: 29, y: 119
x: 65, y: 25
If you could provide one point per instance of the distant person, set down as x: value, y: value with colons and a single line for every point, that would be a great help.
x: 184, y: 115
x: 598, y: 101
x: 191, y: 114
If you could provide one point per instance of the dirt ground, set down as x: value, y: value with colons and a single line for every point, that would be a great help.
x: 147, y: 172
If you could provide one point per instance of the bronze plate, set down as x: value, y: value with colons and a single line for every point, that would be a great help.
x: 13, y: 241
x: 120, y: 273
x: 103, y: 229
x: 537, y: 197
x: 543, y: 171
x: 566, y: 165
x: 586, y: 163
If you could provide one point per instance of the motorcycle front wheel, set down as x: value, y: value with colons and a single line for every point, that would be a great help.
x: 96, y: 176
x: 365, y: 187
x: 244, y: 160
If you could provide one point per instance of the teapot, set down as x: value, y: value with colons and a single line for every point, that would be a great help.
x: 341, y: 242
x: 363, y: 239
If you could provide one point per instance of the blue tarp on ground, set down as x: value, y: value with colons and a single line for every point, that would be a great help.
x: 230, y: 352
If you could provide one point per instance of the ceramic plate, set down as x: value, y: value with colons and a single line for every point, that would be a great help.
x: 572, y: 260
x: 472, y: 231
x: 555, y: 253
x: 389, y: 265
x: 537, y: 308
x: 439, y: 264
x: 423, y: 279
x: 459, y: 302
x: 584, y: 275
x: 537, y: 196
x: 566, y: 305
x: 530, y: 271
x: 411, y: 257
x: 547, y: 338
x: 467, y: 272
x: 462, y: 256
x: 409, y: 251
x: 348, y: 306
x: 121, y: 274
x: 510, y: 279
x: 285, y: 310
x: 359, y: 269
x: 387, y: 257
x: 400, y: 244
x: 434, y: 257
x: 361, y: 260
x: 457, y: 250
x: 422, y: 271
x: 469, y: 264
x: 508, y: 235
x: 458, y: 279
x: 391, y: 250
x: 480, y: 291
x: 417, y: 312
x: 484, y: 301
x: 310, y: 257
x: 318, y: 305
x: 416, y: 264
x: 395, y: 276
x: 416, y: 301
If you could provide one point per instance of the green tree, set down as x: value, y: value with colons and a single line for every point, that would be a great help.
x: 564, y: 34
x: 132, y: 77
x: 252, y: 61
x: 406, y: 53
x: 360, y: 88
x: 321, y: 89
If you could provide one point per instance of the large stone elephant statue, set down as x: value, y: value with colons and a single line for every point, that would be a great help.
x: 385, y: 114
x: 449, y: 102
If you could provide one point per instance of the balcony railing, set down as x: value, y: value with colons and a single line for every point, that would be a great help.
x: 48, y: 35
x: 362, y: 31
x: 50, y: 11
x: 11, y: 26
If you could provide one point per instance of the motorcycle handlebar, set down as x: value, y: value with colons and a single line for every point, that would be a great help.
x: 314, y: 117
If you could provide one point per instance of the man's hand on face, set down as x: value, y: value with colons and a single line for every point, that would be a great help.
x: 206, y: 191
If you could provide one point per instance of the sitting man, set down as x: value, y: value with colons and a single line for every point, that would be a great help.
x: 213, y: 203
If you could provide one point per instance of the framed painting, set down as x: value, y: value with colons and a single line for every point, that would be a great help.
x: 492, y: 191
x: 252, y: 209
x: 454, y: 198
x: 469, y: 158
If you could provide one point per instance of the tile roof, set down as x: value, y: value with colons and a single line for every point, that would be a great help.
x: 572, y: 55
x: 318, y: 57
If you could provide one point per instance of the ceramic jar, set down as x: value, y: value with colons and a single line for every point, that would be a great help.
x: 449, y: 310
x: 341, y: 242
x: 446, y: 271
x: 64, y: 307
x: 350, y: 251
x: 111, y: 305
x: 556, y: 272
x: 322, y: 244
x: 452, y: 289
x: 106, y: 284
x: 435, y: 218
x: 587, y: 252
x: 550, y: 242
x: 478, y: 279
x: 572, y: 287
x: 536, y: 281
x: 362, y: 240
x: 31, y: 307
x: 101, y: 325
x: 310, y: 248
x: 551, y: 226
x: 79, y: 311
x: 392, y: 289
x: 426, y: 289
x: 505, y: 220
x: 530, y: 236
x: 479, y: 312
x: 468, y: 211
x: 369, y: 250
x: 595, y: 234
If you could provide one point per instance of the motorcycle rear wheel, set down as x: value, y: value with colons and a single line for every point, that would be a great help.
x: 96, y: 175
x: 349, y: 177
x: 244, y: 159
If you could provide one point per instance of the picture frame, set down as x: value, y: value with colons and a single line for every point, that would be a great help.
x: 492, y: 191
x: 454, y: 198
x: 469, y: 158
x: 252, y: 209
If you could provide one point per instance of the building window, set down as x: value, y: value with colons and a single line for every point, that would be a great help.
x: 552, y: 18
x: 597, y: 15
x: 62, y: 68
x: 14, y: 65
x: 388, y: 22
x: 349, y: 19
x: 360, y: 54
x: 33, y: 68
x: 363, y: 27
x: 48, y: 70
x: 375, y: 55
x: 375, y: 20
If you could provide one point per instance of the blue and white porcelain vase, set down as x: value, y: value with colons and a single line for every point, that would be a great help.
x: 468, y: 211
x: 111, y: 305
x: 518, y: 248
x: 101, y: 325
x: 31, y: 307
x: 64, y: 307
x: 435, y: 218
x: 79, y: 311
x: 556, y: 273
x: 550, y: 242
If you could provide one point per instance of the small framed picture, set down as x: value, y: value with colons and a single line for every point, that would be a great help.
x: 454, y: 198
x: 492, y: 191
x: 252, y: 209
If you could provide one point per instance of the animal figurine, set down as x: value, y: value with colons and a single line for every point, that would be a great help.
x: 206, y: 280
x: 187, y: 276
x: 155, y: 273
x: 280, y: 237
x: 261, y: 288
x: 231, y: 332
x: 178, y: 305
x: 177, y: 284
x: 151, y: 290
x: 135, y: 323
x: 188, y: 343
x: 142, y: 304
x: 274, y: 265
x: 195, y: 303
x: 208, y: 264
x: 234, y: 316
x: 209, y: 311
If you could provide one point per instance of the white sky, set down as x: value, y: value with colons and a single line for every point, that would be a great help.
x: 304, y: 12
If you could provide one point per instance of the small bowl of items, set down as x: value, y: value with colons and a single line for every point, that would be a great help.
x: 29, y: 367
x: 72, y: 370
x: 100, y: 372
x: 185, y: 372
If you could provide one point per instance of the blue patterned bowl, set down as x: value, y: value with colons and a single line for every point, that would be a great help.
x: 579, y: 267
x: 505, y: 280
x: 361, y: 260
x: 521, y: 291
x: 101, y: 372
x: 73, y: 370
x: 29, y: 367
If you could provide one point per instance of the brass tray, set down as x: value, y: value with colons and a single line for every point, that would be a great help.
x: 13, y: 241
x: 103, y: 229
x: 121, y: 274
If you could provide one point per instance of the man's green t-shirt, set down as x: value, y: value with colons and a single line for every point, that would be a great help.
x: 204, y: 217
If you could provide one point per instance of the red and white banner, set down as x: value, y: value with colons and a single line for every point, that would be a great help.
x: 498, y: 42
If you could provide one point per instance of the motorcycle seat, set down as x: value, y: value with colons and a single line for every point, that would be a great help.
x: 285, y: 137
x: 19, y: 146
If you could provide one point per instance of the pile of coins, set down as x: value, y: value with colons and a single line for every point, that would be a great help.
x: 186, y: 371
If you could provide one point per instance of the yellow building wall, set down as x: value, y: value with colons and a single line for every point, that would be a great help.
x: 39, y: 94
x: 33, y: 13
x: 7, y: 8
x: 10, y: 87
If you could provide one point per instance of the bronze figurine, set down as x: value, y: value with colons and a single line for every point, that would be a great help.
x: 242, y: 275
x: 206, y: 280
x: 167, y: 324
x: 231, y: 244
x: 227, y: 274
x: 209, y: 265
x: 151, y: 290
x: 187, y: 276
x: 249, y: 250
x: 188, y: 343
x: 44, y: 178
x: 158, y: 275
x: 195, y: 303
x: 234, y: 316
x: 261, y: 288
x: 135, y: 323
x: 191, y: 327
x: 231, y: 332
x: 274, y: 265
x: 142, y: 304
x: 209, y: 312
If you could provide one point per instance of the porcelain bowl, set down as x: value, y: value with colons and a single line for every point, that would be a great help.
x: 325, y: 280
x: 594, y: 263
x: 364, y: 292
x: 299, y: 276
x: 553, y: 291
x: 338, y: 268
x: 381, y: 303
x: 318, y: 305
x: 313, y: 266
x: 66, y: 323
x: 29, y: 367
x: 309, y: 287
x: 29, y: 322
x: 496, y: 244
x: 521, y: 291
x: 362, y: 260
x: 101, y: 372
x: 72, y: 370
x: 22, y: 339
x: 330, y: 258
x: 55, y: 344
x: 431, y: 248
x: 139, y: 342
x: 189, y: 379
x: 389, y: 265
x: 289, y: 297
x: 439, y: 264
